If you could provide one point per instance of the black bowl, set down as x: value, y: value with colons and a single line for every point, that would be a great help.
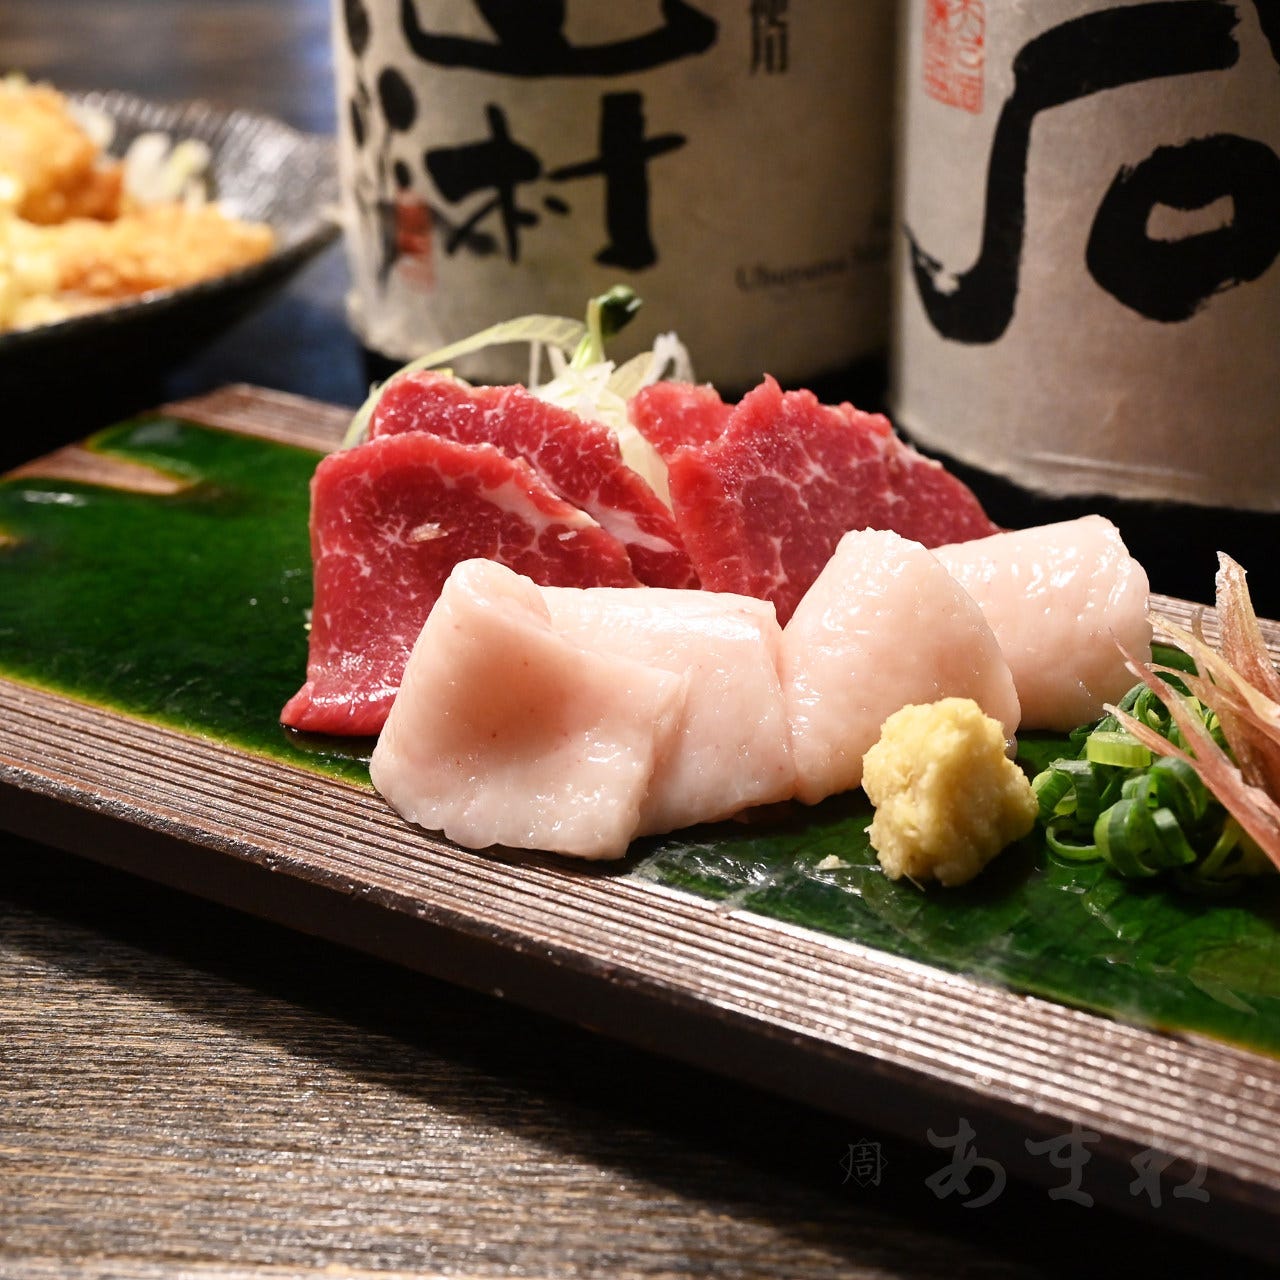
x: 262, y: 170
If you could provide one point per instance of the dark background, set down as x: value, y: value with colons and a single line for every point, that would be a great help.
x: 185, y: 1088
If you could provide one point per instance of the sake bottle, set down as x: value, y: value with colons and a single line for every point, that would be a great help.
x: 1086, y: 291
x: 729, y: 161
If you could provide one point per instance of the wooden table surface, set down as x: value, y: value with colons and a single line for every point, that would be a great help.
x: 185, y: 1091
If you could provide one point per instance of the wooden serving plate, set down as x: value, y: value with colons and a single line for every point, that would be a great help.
x: 895, y: 1043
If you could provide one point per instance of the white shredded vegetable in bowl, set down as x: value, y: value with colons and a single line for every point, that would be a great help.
x: 157, y: 169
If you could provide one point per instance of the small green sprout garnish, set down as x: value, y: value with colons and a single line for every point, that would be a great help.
x: 607, y: 316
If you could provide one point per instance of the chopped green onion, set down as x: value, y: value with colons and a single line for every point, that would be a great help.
x: 1118, y: 748
x: 1125, y: 834
x: 1175, y: 848
x: 1175, y: 785
x: 1069, y: 850
x: 1171, y: 657
x: 1143, y: 814
x: 1052, y: 788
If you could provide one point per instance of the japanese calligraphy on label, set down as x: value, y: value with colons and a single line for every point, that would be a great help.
x: 729, y: 159
x: 1086, y: 280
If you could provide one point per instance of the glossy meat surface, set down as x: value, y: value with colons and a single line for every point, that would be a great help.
x: 389, y: 521
x: 506, y: 732
x: 671, y: 415
x: 731, y: 749
x: 884, y: 626
x: 578, y: 460
x: 1059, y: 597
x: 762, y: 507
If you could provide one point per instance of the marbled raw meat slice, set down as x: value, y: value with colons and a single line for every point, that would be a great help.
x: 1059, y: 597
x: 762, y: 507
x: 731, y: 749
x: 506, y: 732
x: 579, y: 460
x: 884, y: 626
x: 671, y: 415
x: 389, y: 520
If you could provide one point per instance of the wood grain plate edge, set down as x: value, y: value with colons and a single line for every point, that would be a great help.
x: 856, y: 1032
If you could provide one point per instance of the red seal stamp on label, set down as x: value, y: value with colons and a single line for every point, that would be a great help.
x: 955, y: 52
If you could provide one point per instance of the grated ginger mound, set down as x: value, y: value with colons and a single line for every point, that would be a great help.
x: 947, y: 797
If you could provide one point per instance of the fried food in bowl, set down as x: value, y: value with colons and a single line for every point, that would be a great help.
x: 81, y: 230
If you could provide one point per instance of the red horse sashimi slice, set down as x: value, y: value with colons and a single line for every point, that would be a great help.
x: 579, y: 460
x: 762, y: 507
x: 672, y: 414
x: 389, y: 520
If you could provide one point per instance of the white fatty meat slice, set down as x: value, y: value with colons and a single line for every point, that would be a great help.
x: 884, y: 626
x: 505, y: 732
x: 1058, y: 597
x: 731, y: 748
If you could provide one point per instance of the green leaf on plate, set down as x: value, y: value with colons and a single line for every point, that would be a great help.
x: 189, y: 609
